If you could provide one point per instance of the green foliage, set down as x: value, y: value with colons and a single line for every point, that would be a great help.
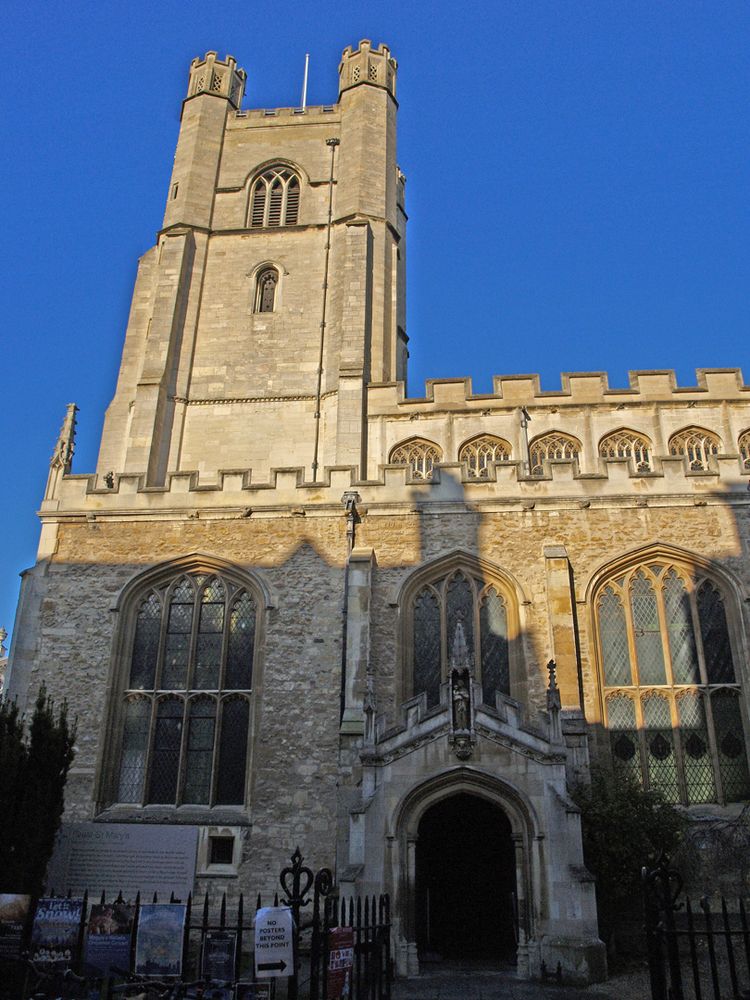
x: 624, y: 828
x: 33, y: 770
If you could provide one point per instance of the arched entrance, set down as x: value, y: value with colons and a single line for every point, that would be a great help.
x: 465, y: 888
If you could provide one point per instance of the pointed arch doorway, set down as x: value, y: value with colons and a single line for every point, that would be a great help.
x: 465, y: 886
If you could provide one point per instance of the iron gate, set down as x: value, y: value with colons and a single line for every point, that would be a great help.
x: 694, y: 952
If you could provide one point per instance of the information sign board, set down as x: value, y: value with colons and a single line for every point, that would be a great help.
x: 274, y: 942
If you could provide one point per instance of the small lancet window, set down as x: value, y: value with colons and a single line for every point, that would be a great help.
x: 265, y: 290
x: 744, y: 444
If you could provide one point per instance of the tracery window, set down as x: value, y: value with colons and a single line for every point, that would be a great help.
x: 479, y: 454
x: 744, y: 445
x: 460, y: 614
x: 186, y: 704
x: 628, y: 444
x: 419, y: 455
x: 265, y: 289
x: 671, y: 689
x: 697, y: 445
x: 274, y: 200
x: 555, y: 445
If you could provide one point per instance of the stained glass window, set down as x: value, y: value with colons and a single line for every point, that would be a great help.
x: 427, y: 666
x: 194, y: 637
x: 665, y: 648
x: 460, y: 616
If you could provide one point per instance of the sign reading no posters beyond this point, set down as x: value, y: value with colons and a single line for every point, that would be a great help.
x: 274, y: 947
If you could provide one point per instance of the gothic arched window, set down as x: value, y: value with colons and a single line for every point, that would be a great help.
x: 457, y: 621
x: 419, y: 455
x: 697, y: 445
x: 628, y: 444
x: 547, y: 447
x: 671, y: 688
x: 274, y: 198
x: 265, y: 290
x: 744, y: 446
x: 480, y: 452
x: 185, y: 709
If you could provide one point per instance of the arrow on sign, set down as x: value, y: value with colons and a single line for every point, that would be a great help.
x: 272, y: 966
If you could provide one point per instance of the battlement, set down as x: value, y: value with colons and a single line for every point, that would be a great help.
x: 211, y: 75
x: 577, y: 388
x: 366, y: 65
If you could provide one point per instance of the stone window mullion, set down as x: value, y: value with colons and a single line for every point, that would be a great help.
x: 711, y: 728
x: 658, y: 585
x: 182, y: 762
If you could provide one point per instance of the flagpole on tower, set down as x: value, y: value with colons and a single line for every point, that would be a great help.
x: 304, y: 82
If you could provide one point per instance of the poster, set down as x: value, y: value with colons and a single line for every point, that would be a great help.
x: 252, y: 991
x: 158, y: 949
x: 340, y: 962
x: 14, y: 912
x: 219, y: 949
x: 109, y: 936
x: 56, y: 930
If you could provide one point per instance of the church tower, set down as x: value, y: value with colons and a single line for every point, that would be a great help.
x: 276, y: 285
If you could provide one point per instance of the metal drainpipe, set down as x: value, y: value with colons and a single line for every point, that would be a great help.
x: 525, y: 418
x: 332, y: 143
x: 350, y: 499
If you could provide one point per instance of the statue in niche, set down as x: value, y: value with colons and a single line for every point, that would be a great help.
x: 461, y: 699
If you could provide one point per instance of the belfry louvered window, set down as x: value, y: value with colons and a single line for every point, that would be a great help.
x: 274, y: 200
x: 186, y: 707
x: 549, y: 447
x: 628, y: 444
x: 481, y: 452
x: 672, y: 697
x: 697, y: 445
x: 460, y: 617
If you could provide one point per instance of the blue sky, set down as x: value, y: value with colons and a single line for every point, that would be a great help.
x: 576, y: 185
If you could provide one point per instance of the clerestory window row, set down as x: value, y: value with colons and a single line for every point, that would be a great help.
x: 695, y: 445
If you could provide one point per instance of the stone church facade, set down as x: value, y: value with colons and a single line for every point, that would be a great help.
x: 294, y: 605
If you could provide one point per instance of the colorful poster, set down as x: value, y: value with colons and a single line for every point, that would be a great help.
x: 219, y: 949
x: 56, y: 931
x: 14, y: 912
x: 340, y: 962
x: 109, y: 935
x: 158, y: 949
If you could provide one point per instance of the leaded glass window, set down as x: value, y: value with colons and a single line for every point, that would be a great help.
x: 671, y: 694
x: 265, y: 290
x: 460, y: 614
x: 549, y: 447
x: 628, y: 444
x: 274, y: 200
x: 419, y: 455
x: 480, y: 453
x: 183, y: 739
x: 697, y: 445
